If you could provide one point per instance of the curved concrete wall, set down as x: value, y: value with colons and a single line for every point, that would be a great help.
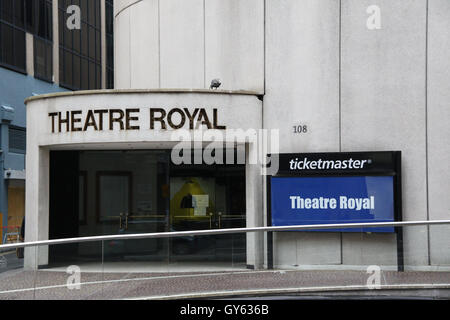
x: 188, y: 43
x: 47, y: 130
x: 235, y: 111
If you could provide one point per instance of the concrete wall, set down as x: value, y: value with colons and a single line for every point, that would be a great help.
x: 361, y: 75
x: 383, y: 100
x: 235, y: 111
x: 438, y: 115
x: 302, y: 88
x: 188, y: 43
x: 360, y: 88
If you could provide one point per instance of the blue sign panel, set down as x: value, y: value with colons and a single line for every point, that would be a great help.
x: 327, y: 200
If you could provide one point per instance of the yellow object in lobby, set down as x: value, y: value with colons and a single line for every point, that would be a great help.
x: 181, y: 205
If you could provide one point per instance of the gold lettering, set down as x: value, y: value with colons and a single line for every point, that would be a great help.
x: 183, y: 118
x: 53, y: 115
x: 191, y: 117
x: 153, y: 118
x: 90, y: 121
x: 118, y: 119
x: 100, y: 115
x: 75, y: 120
x: 215, y: 122
x: 129, y: 118
x: 61, y: 121
x: 203, y: 115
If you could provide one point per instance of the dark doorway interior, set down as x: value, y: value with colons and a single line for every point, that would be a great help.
x: 126, y: 192
x: 64, y: 196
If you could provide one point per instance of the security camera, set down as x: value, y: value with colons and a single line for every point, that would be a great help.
x: 215, y: 84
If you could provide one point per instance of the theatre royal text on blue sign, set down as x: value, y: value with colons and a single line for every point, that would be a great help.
x: 325, y: 200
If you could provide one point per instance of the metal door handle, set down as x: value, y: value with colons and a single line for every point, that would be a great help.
x: 121, y: 222
x: 220, y: 220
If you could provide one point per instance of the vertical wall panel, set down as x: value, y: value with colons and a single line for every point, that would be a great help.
x: 182, y: 44
x: 122, y: 66
x: 234, y: 53
x: 302, y: 73
x: 383, y: 98
x: 302, y: 88
x: 438, y: 128
x: 144, y: 46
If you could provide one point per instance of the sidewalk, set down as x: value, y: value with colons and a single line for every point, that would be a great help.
x: 9, y: 261
x: 19, y: 284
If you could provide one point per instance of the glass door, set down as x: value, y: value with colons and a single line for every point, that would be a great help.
x: 204, y: 198
x: 131, y: 195
x: 130, y: 191
x: 192, y: 207
x: 230, y: 213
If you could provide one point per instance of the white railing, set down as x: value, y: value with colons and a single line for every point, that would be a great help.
x: 221, y: 231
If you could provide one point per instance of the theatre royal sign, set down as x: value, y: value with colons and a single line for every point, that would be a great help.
x: 138, y: 119
x: 129, y: 119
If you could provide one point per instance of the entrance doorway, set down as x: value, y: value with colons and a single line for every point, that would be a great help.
x: 126, y: 192
x: 208, y: 197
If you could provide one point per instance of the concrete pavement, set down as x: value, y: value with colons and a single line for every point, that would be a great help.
x: 45, y: 285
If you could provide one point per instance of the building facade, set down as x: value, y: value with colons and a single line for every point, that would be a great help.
x: 38, y: 56
x: 354, y: 75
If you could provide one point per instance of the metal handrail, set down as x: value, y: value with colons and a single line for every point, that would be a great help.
x: 220, y: 231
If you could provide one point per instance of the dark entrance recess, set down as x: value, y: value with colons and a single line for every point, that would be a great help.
x: 64, y: 196
x: 141, y: 191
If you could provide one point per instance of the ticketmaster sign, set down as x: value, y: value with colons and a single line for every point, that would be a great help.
x: 336, y: 188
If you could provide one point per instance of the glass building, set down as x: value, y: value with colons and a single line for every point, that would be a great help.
x: 39, y: 55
